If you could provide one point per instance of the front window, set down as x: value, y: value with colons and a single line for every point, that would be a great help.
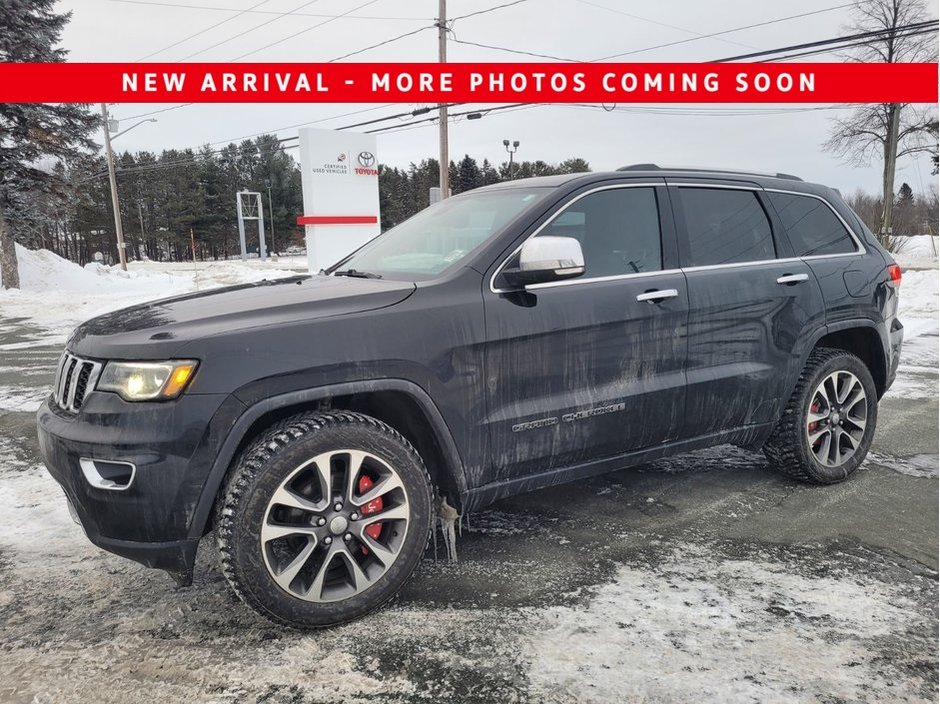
x: 439, y: 237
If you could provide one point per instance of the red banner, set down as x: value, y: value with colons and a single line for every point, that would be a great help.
x: 478, y: 83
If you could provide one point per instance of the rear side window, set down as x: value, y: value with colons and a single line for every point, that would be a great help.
x: 725, y: 226
x: 618, y: 229
x: 811, y: 225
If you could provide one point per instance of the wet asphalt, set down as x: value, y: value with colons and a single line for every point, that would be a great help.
x: 61, y: 599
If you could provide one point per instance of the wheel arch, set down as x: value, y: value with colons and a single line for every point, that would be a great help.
x: 402, y: 404
x: 863, y: 339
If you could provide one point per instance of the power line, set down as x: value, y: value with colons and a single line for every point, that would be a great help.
x: 266, y: 12
x: 657, y: 46
x: 157, y: 112
x: 851, y: 45
x: 483, y: 12
x: 927, y: 26
x: 383, y: 43
x: 729, y: 31
x: 304, y: 31
x: 251, y: 29
x: 203, y: 31
x: 661, y: 24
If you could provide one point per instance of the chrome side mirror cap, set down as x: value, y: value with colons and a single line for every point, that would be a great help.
x: 546, y: 259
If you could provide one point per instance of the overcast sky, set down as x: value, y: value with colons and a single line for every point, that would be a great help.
x: 130, y: 30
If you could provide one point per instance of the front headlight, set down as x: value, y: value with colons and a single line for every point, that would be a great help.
x: 147, y: 381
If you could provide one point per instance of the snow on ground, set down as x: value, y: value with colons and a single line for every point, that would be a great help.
x: 56, y: 294
x: 918, y: 252
x: 705, y: 627
x: 918, y: 312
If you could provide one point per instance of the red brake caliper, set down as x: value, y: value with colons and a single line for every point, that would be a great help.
x: 815, y: 424
x: 374, y: 506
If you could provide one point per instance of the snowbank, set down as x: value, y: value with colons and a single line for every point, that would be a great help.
x: 918, y: 252
x: 56, y: 294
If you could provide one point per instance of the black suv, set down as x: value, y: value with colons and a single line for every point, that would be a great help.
x: 510, y: 338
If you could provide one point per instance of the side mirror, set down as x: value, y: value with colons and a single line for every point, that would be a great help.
x: 546, y: 259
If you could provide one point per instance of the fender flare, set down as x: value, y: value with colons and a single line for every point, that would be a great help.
x: 229, y: 446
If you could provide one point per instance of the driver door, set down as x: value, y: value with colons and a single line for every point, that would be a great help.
x: 591, y: 367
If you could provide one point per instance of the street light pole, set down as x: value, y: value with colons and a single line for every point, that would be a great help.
x: 109, y: 155
x: 267, y: 182
x: 442, y: 112
x: 515, y: 146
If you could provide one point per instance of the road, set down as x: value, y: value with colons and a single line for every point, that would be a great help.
x: 705, y: 577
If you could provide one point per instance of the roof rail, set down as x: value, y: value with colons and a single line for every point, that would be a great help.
x: 656, y: 167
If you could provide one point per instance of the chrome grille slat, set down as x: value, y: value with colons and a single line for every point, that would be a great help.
x: 75, y: 378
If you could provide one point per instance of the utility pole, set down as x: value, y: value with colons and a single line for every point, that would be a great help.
x: 442, y: 115
x: 109, y: 155
x: 891, y: 157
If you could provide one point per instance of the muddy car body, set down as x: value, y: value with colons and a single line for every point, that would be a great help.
x: 521, y: 335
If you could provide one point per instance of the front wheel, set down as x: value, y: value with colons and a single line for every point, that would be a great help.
x: 827, y: 427
x: 324, y: 518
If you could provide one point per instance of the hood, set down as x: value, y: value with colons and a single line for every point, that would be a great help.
x: 159, y: 328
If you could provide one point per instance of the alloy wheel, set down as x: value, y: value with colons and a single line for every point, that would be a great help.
x: 334, y: 526
x: 836, y: 418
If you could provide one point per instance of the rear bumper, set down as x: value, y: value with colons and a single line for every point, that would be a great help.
x: 169, y: 444
x: 895, y: 339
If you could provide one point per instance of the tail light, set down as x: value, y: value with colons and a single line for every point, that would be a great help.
x: 894, y: 275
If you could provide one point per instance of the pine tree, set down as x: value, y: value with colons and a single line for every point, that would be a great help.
x: 31, y: 30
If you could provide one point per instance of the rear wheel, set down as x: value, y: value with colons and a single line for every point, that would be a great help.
x: 827, y: 427
x: 324, y: 518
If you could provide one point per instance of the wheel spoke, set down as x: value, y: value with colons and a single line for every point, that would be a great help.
x: 359, y: 578
x: 286, y: 575
x: 315, y: 592
x: 835, y: 447
x: 857, y: 395
x: 812, y: 417
x: 285, y: 497
x: 853, y: 443
x: 383, y: 486
x: 814, y: 436
x: 395, y: 513
x: 273, y: 531
x: 352, y: 473
x: 845, y: 388
x: 386, y: 555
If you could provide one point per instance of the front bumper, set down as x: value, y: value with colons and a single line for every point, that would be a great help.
x: 170, y: 444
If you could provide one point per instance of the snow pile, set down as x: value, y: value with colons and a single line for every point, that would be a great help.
x: 56, y: 294
x: 918, y: 252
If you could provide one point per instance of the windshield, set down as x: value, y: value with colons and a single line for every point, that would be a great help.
x: 440, y: 236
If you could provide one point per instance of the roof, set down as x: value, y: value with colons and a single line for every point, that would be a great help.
x: 778, y: 181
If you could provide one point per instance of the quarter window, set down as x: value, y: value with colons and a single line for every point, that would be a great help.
x: 811, y: 225
x: 618, y: 230
x: 725, y: 226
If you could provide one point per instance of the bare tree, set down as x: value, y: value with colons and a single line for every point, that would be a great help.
x: 889, y: 130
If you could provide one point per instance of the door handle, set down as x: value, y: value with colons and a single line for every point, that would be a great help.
x: 656, y: 296
x: 787, y: 279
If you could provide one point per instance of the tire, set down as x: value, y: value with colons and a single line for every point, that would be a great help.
x: 301, y: 541
x: 798, y: 446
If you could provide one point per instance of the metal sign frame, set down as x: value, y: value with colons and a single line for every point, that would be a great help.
x: 250, y: 206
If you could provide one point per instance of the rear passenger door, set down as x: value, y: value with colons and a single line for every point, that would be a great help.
x: 819, y: 235
x: 752, y: 304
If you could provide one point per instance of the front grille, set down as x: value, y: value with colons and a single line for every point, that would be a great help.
x: 74, y: 379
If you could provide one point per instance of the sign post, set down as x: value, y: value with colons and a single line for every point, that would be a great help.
x: 340, y: 175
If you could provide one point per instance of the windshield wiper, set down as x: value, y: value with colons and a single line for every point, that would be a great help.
x: 357, y: 274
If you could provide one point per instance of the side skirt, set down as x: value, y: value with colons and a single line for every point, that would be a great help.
x: 751, y: 436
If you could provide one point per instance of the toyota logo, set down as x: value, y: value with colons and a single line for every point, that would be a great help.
x: 367, y: 159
